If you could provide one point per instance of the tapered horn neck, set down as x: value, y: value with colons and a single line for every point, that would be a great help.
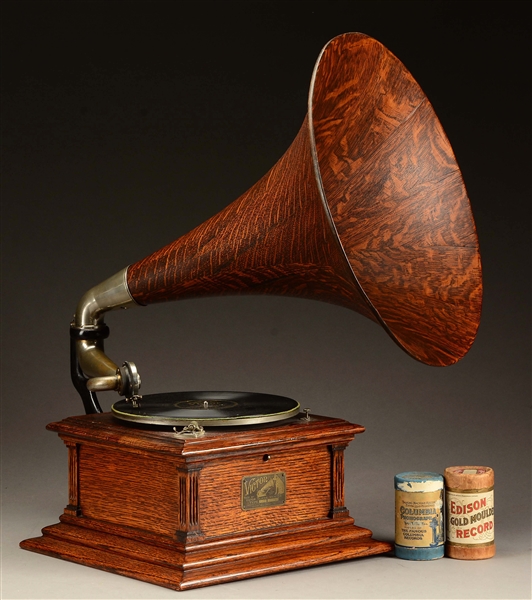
x: 275, y: 239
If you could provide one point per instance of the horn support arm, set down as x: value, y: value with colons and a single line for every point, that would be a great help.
x: 91, y: 369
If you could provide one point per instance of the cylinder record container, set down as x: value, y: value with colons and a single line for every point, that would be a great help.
x: 419, y: 533
x: 470, y: 512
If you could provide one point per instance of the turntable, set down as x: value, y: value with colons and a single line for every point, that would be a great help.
x: 367, y: 209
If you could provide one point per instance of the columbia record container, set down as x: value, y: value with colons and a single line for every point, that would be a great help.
x: 419, y: 516
x: 470, y: 512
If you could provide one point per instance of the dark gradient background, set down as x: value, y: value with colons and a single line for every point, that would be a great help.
x: 126, y: 124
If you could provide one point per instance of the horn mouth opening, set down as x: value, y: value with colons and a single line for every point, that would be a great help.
x: 395, y: 199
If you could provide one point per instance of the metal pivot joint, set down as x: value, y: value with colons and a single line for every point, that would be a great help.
x: 91, y: 369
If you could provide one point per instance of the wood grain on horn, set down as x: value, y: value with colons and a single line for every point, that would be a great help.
x: 397, y: 199
x: 275, y: 239
x: 366, y: 209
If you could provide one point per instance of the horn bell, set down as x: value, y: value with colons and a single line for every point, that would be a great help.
x: 367, y: 209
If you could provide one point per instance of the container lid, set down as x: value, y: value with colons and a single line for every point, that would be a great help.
x: 418, y: 481
x: 469, y: 477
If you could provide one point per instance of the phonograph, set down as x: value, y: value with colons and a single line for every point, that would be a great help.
x: 366, y: 209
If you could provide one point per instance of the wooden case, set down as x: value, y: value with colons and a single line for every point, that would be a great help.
x: 150, y: 505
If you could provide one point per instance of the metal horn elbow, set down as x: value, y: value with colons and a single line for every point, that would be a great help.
x: 94, y: 370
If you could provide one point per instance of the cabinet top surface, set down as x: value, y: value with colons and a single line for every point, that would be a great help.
x: 106, y: 429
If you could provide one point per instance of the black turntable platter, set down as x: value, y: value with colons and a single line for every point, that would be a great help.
x: 207, y: 408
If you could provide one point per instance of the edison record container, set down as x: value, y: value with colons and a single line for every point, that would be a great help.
x: 470, y: 512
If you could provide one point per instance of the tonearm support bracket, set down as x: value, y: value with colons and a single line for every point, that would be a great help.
x: 91, y: 369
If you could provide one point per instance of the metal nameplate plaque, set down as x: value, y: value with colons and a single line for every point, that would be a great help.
x: 263, y: 491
